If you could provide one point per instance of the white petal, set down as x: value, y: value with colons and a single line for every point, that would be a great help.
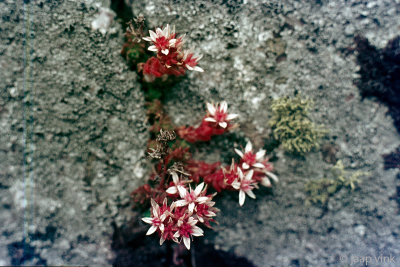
x: 198, y: 189
x: 202, y: 200
x: 223, y: 124
x: 151, y: 230
x: 265, y: 182
x: 153, y: 48
x: 197, y: 231
x: 159, y: 32
x: 200, y: 219
x: 192, y: 221
x: 210, y: 119
x: 242, y: 196
x: 260, y: 154
x: 153, y: 203
x: 223, y: 106
x: 211, y: 109
x: 153, y: 36
x: 161, y: 241
x: 250, y: 194
x: 191, y: 207
x: 197, y: 68
x: 231, y: 116
x: 211, y: 214
x: 181, y: 203
x: 176, y: 235
x: 172, y: 42
x: 249, y: 175
x: 211, y: 203
x: 240, y: 153
x: 165, y: 51
x: 241, y: 176
x: 175, y: 178
x: 273, y: 176
x: 166, y: 30
x: 245, y: 166
x: 148, y: 39
x: 182, y: 191
x: 199, y: 57
x: 235, y: 185
x: 148, y: 220
x: 172, y: 190
x: 185, y: 54
x: 161, y: 227
x: 156, y: 208
x: 258, y: 165
x: 188, y: 67
x: 248, y: 148
x: 186, y: 241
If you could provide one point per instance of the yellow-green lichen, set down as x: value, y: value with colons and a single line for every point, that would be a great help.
x: 320, y: 190
x: 292, y: 125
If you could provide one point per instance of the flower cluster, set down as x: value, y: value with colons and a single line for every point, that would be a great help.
x: 178, y: 221
x: 216, y: 122
x: 252, y: 169
x: 177, y: 209
x: 171, y: 58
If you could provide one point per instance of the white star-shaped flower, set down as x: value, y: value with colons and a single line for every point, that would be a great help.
x: 245, y: 185
x: 219, y: 114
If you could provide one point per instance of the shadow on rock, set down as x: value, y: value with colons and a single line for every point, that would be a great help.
x: 133, y: 248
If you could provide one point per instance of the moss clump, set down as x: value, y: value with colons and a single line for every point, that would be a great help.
x: 292, y: 125
x: 320, y: 190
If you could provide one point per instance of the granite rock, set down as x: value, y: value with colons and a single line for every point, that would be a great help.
x: 73, y: 133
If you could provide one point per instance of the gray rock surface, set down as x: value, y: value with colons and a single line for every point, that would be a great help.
x: 258, y: 50
x: 73, y: 134
x: 72, y: 137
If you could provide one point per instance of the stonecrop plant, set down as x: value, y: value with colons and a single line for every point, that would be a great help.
x: 171, y: 57
x: 179, y: 187
x: 180, y: 190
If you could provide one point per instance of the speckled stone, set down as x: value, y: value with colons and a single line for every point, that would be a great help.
x: 72, y: 135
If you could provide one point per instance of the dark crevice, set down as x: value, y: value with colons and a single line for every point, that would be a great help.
x: 123, y: 11
x: 396, y: 196
x: 133, y: 248
x: 380, y: 78
x: 392, y: 160
x: 380, y: 74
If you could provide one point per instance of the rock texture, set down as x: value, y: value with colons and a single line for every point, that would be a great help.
x: 72, y: 134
